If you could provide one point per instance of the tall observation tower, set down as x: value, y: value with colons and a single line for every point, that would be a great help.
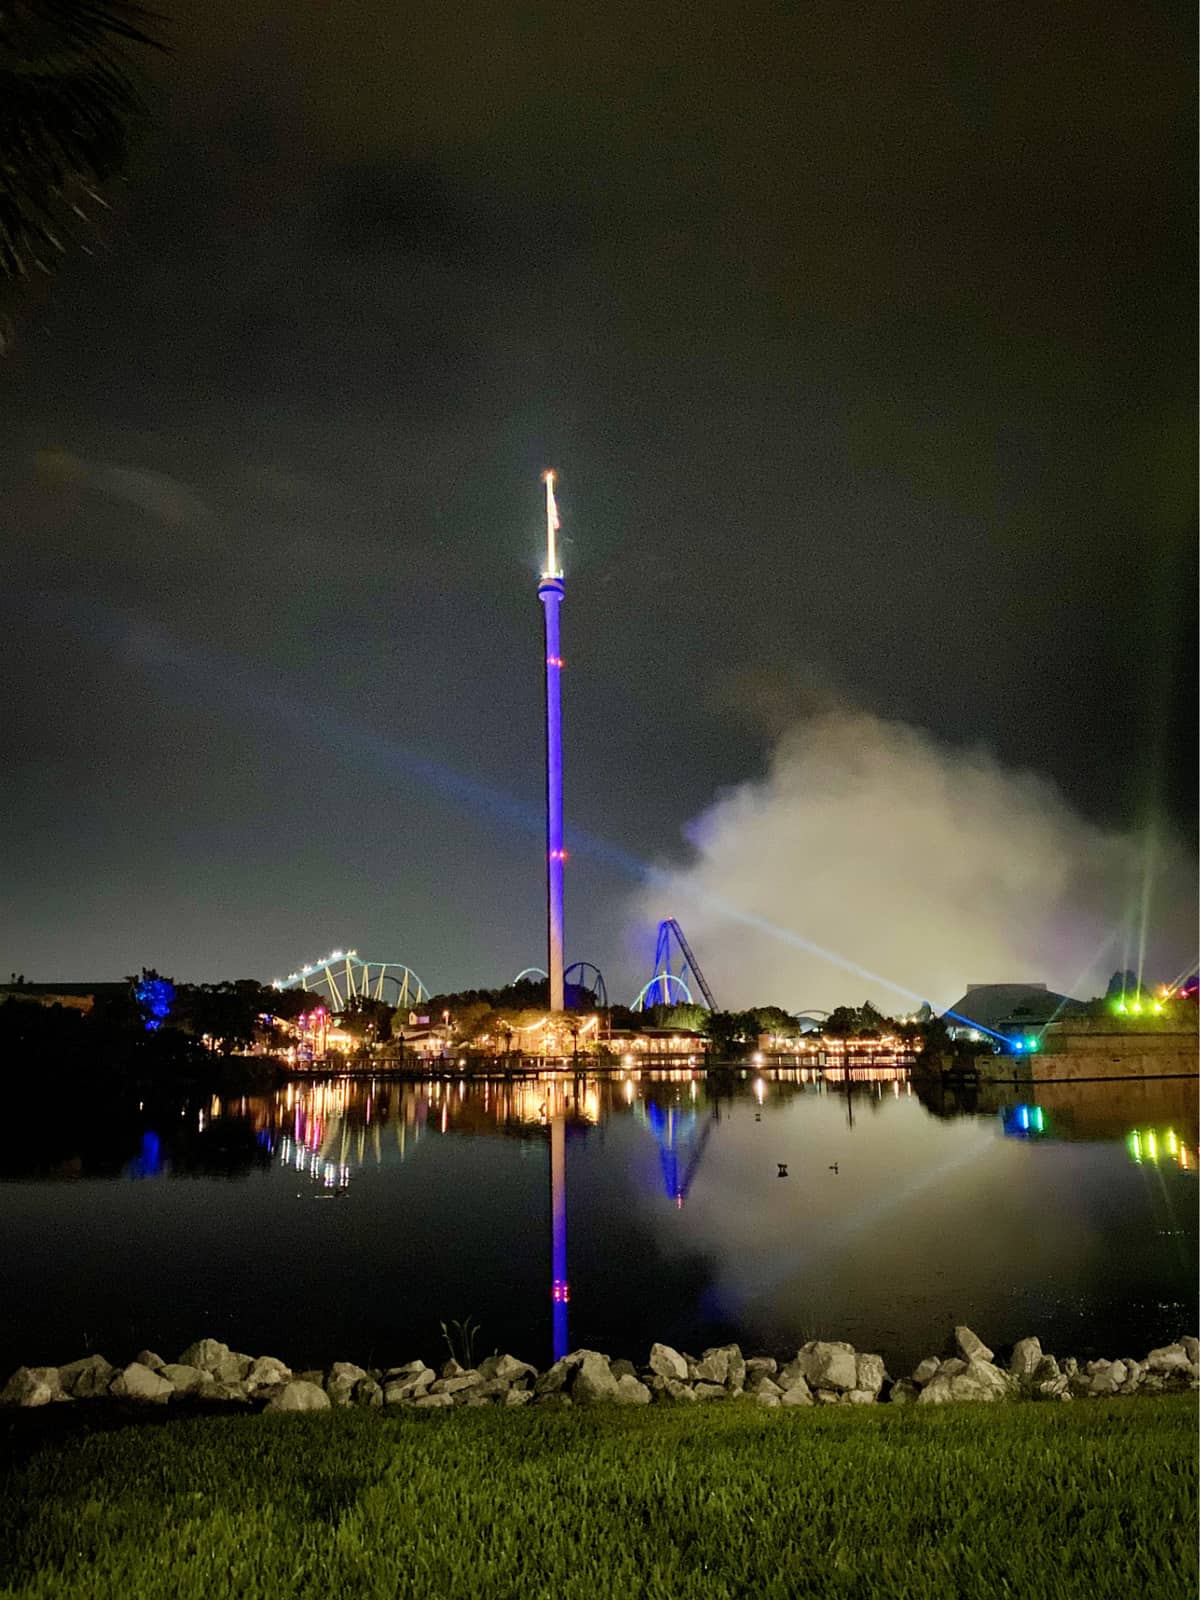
x: 550, y: 592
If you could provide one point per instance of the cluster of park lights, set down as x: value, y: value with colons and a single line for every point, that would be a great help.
x: 314, y: 966
x: 1124, y: 1006
x: 1145, y: 1144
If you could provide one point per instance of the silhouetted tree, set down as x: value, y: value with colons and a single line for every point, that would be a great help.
x: 68, y: 104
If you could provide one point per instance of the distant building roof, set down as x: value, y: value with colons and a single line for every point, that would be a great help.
x: 1012, y: 1005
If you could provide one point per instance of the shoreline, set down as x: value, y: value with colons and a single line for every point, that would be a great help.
x: 821, y: 1373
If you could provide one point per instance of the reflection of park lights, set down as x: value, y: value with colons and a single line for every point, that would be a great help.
x: 758, y: 1060
x: 760, y: 1090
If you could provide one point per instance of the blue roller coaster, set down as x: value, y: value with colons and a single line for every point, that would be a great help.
x: 673, y: 988
x: 681, y: 1135
x: 575, y: 977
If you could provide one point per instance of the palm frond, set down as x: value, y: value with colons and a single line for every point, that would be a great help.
x: 69, y: 100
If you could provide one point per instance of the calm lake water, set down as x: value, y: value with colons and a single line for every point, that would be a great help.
x: 346, y: 1219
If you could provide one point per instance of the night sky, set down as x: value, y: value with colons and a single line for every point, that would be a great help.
x: 861, y: 337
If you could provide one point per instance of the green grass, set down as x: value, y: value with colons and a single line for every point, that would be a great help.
x: 1036, y: 1502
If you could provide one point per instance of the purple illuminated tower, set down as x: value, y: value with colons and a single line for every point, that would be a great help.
x: 550, y: 592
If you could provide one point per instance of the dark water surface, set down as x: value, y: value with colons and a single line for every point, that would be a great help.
x: 346, y: 1219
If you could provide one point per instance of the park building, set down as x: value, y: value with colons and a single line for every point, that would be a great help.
x: 1010, y: 1009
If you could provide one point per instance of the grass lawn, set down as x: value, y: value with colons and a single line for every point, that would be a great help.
x: 1094, y: 1499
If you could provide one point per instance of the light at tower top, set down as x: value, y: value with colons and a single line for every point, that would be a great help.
x: 552, y: 568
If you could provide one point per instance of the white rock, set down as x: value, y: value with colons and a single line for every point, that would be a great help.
x: 267, y: 1372
x: 678, y: 1390
x: 31, y: 1386
x: 1103, y: 1383
x: 981, y: 1381
x: 735, y: 1376
x: 722, y: 1364
x: 517, y: 1397
x: 399, y: 1390
x: 1025, y: 1358
x: 509, y: 1369
x: 457, y: 1385
x: 139, y: 1382
x: 205, y: 1354
x: 926, y: 1371
x: 797, y: 1395
x: 667, y: 1363
x: 215, y: 1390
x: 710, y: 1391
x: 87, y: 1378
x: 630, y: 1392
x: 765, y: 1399
x: 593, y: 1380
x: 299, y: 1396
x: 869, y: 1373
x: 1191, y: 1347
x: 1056, y: 1388
x: 491, y: 1389
x: 430, y: 1401
x: 971, y: 1345
x: 556, y: 1377
x: 936, y: 1392
x: 713, y: 1367
x: 828, y: 1364
x: 862, y: 1397
x: 796, y: 1387
x: 233, y: 1368
x: 183, y: 1380
x: 1168, y: 1358
x: 343, y: 1378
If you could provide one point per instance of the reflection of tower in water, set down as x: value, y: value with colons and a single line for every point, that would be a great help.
x: 560, y: 1290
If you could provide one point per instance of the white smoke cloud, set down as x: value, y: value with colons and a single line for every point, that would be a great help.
x: 923, y: 867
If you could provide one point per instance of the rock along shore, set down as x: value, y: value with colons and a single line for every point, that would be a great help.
x: 822, y: 1372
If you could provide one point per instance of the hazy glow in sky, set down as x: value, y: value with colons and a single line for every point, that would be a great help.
x: 931, y: 865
